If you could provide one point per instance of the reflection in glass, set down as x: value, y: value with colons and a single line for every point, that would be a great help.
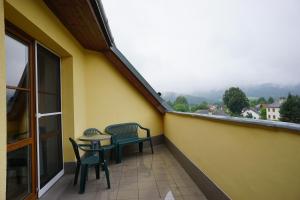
x: 48, y: 81
x: 17, y: 104
x: 16, y: 63
x: 18, y: 178
x: 50, y: 147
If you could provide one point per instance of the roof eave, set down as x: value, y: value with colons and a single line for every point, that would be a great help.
x: 103, y: 22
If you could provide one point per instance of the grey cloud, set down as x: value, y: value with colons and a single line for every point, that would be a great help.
x: 195, y: 45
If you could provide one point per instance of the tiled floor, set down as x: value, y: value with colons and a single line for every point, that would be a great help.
x: 140, y: 176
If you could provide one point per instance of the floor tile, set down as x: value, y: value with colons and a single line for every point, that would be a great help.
x: 127, y: 194
x: 149, y: 193
x: 141, y: 176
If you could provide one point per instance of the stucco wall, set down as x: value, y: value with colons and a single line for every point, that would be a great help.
x: 246, y: 162
x: 2, y: 106
x: 112, y: 99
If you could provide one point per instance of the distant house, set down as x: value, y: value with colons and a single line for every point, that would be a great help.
x: 273, y: 111
x: 212, y: 108
x: 261, y: 106
x: 250, y: 113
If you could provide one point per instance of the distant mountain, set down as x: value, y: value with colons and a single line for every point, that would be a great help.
x: 171, y: 96
x: 275, y: 91
x: 194, y: 99
x: 263, y: 90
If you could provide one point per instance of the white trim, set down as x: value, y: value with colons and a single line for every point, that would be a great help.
x: 50, y: 183
x: 39, y: 115
x: 46, y: 187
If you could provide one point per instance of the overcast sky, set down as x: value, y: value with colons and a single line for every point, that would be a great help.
x: 199, y: 45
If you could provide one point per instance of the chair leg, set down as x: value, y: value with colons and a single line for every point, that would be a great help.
x: 102, y: 154
x: 119, y: 152
x: 76, y: 173
x: 116, y: 153
x: 106, y: 173
x: 112, y: 155
x: 150, y: 141
x: 83, y: 175
x: 108, y: 154
x: 97, y: 168
x: 141, y: 144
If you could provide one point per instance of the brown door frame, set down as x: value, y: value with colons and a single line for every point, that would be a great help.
x: 21, y: 36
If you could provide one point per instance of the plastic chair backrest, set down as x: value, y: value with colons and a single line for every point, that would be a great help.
x: 91, y: 132
x: 75, y: 148
x: 125, y: 130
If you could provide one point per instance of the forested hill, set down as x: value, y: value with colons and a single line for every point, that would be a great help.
x: 264, y: 90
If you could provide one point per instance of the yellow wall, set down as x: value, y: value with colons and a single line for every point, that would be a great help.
x: 246, y: 162
x: 112, y: 99
x: 67, y: 105
x: 2, y: 106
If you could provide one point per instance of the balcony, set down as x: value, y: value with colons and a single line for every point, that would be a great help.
x: 139, y: 176
x: 225, y: 158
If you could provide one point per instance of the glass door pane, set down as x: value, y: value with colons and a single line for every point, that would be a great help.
x: 51, y: 161
x: 48, y: 81
x: 48, y: 118
x: 17, y: 73
x: 18, y: 177
x: 19, y: 115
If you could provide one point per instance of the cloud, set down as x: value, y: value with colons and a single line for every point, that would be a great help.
x: 196, y: 45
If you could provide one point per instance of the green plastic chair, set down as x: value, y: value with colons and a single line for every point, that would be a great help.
x: 104, y: 148
x: 89, y: 159
x: 92, y: 132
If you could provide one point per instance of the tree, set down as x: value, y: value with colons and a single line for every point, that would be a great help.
x: 263, y: 113
x: 181, y: 104
x: 253, y: 103
x: 235, y: 100
x: 290, y: 109
x: 181, y: 107
x: 270, y: 100
x: 170, y: 103
x: 262, y: 100
x: 181, y: 100
x: 201, y: 106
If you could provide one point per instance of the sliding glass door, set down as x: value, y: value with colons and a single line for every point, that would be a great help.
x: 34, y: 126
x: 20, y: 179
x: 49, y: 128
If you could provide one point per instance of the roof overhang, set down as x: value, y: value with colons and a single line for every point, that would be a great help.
x: 80, y: 18
x: 87, y: 22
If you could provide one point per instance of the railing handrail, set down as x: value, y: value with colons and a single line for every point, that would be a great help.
x: 265, y: 123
